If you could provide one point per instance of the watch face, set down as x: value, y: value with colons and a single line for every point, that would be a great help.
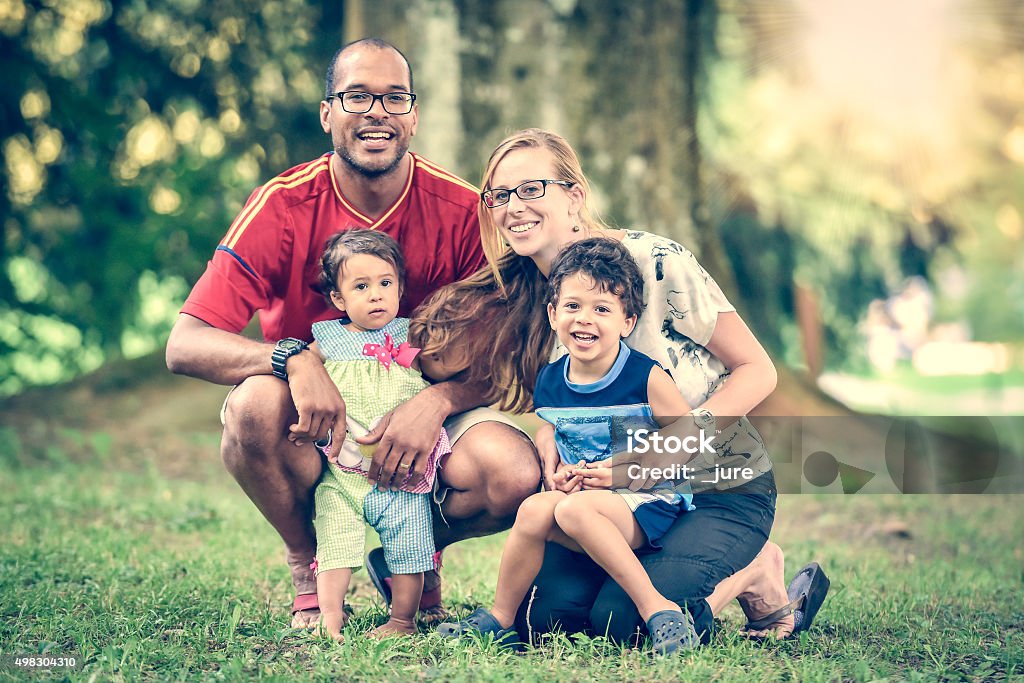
x: 705, y: 418
x: 288, y: 344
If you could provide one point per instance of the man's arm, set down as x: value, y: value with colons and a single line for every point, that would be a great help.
x: 199, y: 350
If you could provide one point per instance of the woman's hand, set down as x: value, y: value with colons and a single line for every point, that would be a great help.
x: 596, y: 475
x: 544, y: 439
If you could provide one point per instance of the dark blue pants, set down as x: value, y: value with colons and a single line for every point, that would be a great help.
x: 711, y: 543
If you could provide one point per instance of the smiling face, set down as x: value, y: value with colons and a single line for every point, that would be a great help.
x: 589, y: 321
x: 535, y: 228
x: 371, y: 144
x: 368, y: 290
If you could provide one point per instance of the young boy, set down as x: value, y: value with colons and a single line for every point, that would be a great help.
x: 591, y: 398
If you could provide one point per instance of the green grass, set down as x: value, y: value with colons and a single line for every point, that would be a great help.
x: 905, y: 392
x: 905, y: 375
x: 147, y: 567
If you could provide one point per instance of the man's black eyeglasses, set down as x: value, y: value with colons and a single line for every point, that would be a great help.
x: 359, y: 102
x: 531, y: 189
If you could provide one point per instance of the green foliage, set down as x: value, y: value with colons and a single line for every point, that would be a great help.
x: 877, y: 169
x: 133, y: 131
x: 119, y: 119
x: 983, y: 280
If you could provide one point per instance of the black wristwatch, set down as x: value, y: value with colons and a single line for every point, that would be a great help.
x: 283, y: 350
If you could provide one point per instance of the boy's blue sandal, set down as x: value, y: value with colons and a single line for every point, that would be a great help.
x: 672, y: 631
x: 807, y: 592
x: 483, y: 623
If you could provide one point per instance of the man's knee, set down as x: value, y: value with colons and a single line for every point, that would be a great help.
x: 507, y: 490
x: 504, y: 464
x: 254, y: 419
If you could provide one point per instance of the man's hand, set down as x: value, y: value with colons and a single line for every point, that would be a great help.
x: 405, y: 438
x: 544, y: 439
x: 596, y: 475
x: 317, y: 400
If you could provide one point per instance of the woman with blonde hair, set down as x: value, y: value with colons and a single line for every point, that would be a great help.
x: 494, y: 328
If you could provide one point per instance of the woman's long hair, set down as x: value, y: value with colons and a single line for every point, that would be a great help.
x: 499, y: 314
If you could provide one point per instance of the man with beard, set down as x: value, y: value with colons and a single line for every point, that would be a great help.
x: 283, y: 400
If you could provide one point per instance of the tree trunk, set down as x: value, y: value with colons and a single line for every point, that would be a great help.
x: 808, y: 320
x: 621, y: 81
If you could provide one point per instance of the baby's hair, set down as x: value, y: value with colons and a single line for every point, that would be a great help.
x: 608, y: 263
x: 347, y: 243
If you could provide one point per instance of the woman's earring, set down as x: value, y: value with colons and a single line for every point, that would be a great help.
x: 575, y: 228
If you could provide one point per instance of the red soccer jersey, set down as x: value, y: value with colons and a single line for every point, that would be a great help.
x: 269, y: 261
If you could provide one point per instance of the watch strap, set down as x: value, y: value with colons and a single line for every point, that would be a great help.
x: 283, y: 350
x: 704, y: 419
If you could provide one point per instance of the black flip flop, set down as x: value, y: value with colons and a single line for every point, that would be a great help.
x: 806, y: 593
x: 377, y: 568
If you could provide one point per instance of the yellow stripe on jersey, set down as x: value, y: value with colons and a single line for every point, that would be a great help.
x: 279, y: 183
x: 435, y: 170
x: 341, y: 198
x: 372, y: 224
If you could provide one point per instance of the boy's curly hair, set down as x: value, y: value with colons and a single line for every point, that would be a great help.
x: 608, y: 263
